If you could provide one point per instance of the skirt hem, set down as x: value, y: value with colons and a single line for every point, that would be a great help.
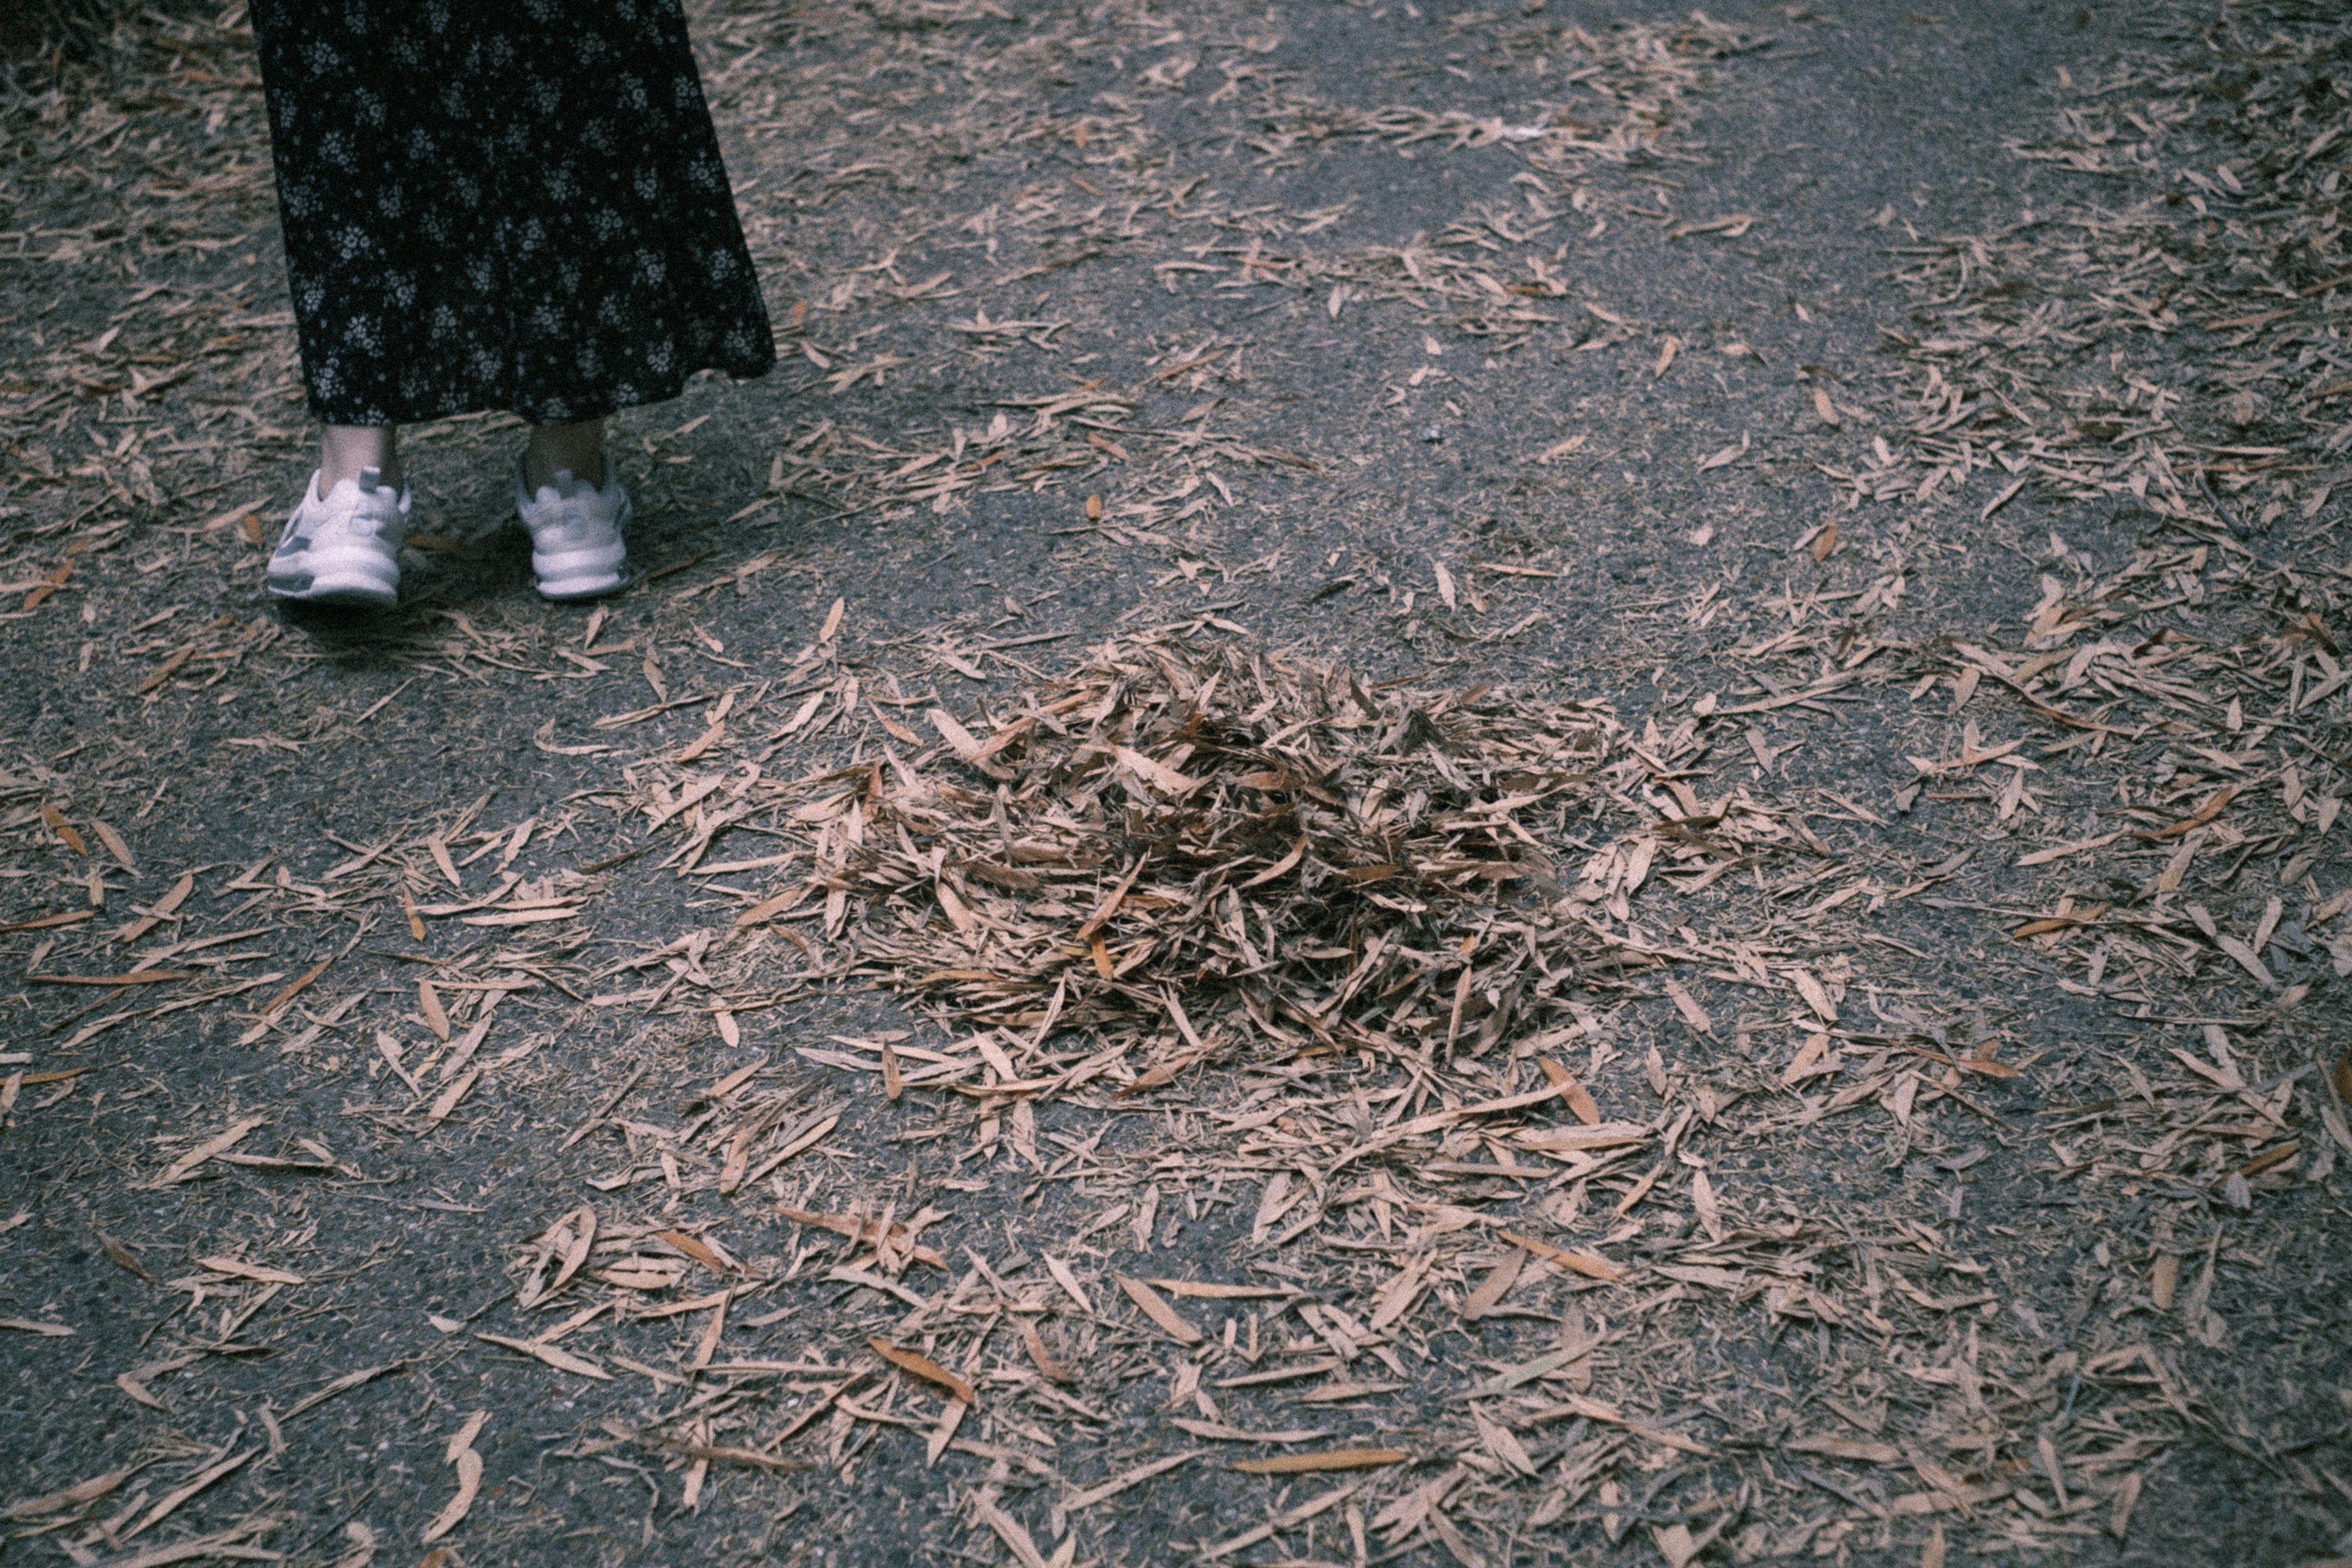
x: 576, y: 409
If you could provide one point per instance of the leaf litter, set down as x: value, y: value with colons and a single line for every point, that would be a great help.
x: 1440, y: 1007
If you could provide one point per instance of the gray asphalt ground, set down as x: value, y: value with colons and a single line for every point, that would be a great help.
x: 1314, y: 429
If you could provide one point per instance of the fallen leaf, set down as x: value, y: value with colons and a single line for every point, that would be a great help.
x: 186, y: 1165
x: 924, y: 1367
x: 1498, y: 1284
x: 1592, y: 1265
x: 470, y: 1479
x: 1328, y: 1459
x: 1156, y: 1308
x: 560, y: 1360
x: 242, y: 1270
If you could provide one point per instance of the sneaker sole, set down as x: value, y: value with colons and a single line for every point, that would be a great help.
x: 368, y: 595
x: 585, y: 573
x: 336, y: 574
x: 580, y: 588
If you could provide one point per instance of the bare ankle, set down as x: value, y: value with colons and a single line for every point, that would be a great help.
x: 346, y: 451
x: 577, y: 450
x: 539, y: 470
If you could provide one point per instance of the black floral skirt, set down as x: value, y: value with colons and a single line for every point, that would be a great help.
x: 502, y: 204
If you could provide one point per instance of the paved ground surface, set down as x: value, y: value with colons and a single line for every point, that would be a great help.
x: 1781, y: 571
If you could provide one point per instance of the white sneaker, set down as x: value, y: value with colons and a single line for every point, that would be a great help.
x: 577, y: 549
x: 343, y: 548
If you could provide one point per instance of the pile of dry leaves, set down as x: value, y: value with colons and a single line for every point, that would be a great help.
x: 1549, y: 1126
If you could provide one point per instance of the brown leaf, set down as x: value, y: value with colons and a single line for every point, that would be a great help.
x: 237, y: 1269
x: 1693, y: 1013
x: 1297, y: 853
x: 1010, y: 1530
x: 924, y: 1367
x: 296, y: 989
x: 1159, y: 1075
x: 1156, y: 1308
x: 70, y: 917
x: 2213, y: 806
x: 429, y: 1002
x: 1109, y: 906
x: 71, y: 1496
x: 122, y: 1258
x: 181, y: 1169
x: 115, y: 846
x: 63, y: 829
x: 868, y: 1231
x: 562, y: 1360
x: 1329, y: 1460
x: 2163, y: 1279
x: 962, y: 742
x: 698, y: 1250
x: 1397, y: 1297
x: 469, y: 1480
x: 768, y: 908
x: 1044, y: 1358
x: 1592, y: 1265
x: 1210, y: 1291
x: 583, y: 1226
x: 1157, y: 774
x: 1577, y: 1139
x: 1848, y: 1448
x: 1579, y: 1099
x: 1218, y: 1431
x: 1498, y: 1284
x: 723, y: 1453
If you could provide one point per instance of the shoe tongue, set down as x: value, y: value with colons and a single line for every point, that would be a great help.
x: 565, y: 485
x: 370, y: 478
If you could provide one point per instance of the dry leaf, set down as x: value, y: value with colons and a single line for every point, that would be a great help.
x: 243, y: 1270
x: 70, y: 1497
x: 187, y: 1164
x: 1848, y: 1448
x: 1498, y: 1284
x: 1039, y: 1355
x: 1329, y: 1460
x: 924, y: 1367
x: 560, y: 1360
x: 1693, y: 1013
x: 428, y: 1002
x: 63, y: 829
x: 1593, y: 1265
x: 470, y: 1479
x: 1702, y: 1205
x: 1156, y: 1308
x: 698, y: 1250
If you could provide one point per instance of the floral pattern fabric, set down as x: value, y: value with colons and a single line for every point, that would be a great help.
x: 502, y: 204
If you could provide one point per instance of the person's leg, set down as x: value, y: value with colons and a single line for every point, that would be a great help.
x: 343, y: 544
x: 580, y: 448
x: 578, y: 549
x: 345, y: 449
